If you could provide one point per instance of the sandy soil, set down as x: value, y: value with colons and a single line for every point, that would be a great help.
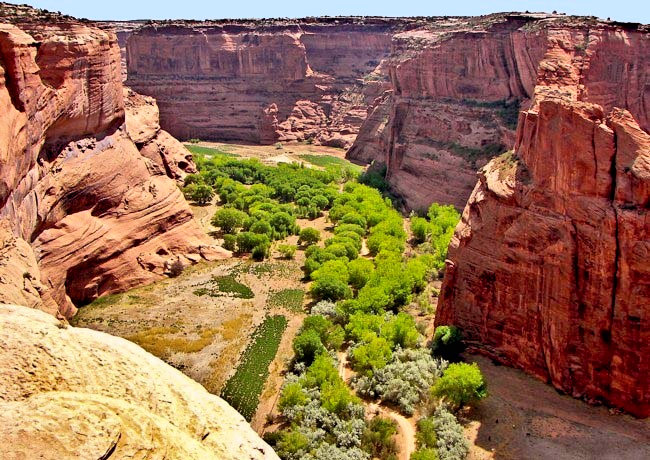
x: 524, y: 418
x: 272, y: 154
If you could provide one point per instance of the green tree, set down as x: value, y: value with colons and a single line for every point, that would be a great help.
x: 291, y: 443
x: 461, y: 384
x: 447, y: 343
x: 401, y: 331
x: 428, y: 453
x: 307, y: 345
x: 292, y: 395
x: 419, y: 228
x: 360, y: 271
x: 229, y: 219
x: 370, y: 356
x: 309, y: 236
x: 230, y: 242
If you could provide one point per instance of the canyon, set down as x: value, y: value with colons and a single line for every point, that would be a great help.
x: 536, y: 125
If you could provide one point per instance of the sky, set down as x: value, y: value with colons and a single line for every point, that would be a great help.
x: 620, y: 10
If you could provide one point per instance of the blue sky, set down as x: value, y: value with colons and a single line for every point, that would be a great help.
x: 621, y: 10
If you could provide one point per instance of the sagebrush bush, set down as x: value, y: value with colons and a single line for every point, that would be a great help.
x: 451, y: 442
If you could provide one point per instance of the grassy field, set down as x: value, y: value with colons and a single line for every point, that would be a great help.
x: 243, y: 389
x: 225, y: 286
x: 290, y: 299
x: 208, y: 151
x: 328, y: 160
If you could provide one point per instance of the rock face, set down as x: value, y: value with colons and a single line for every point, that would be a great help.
x: 77, y: 393
x: 548, y: 270
x: 100, y: 215
x: 265, y: 82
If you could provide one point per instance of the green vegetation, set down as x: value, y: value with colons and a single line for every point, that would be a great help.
x: 288, y: 251
x: 377, y: 438
x: 329, y: 161
x: 225, y: 286
x: 451, y: 443
x: 199, y: 193
x: 434, y: 232
x: 309, y: 236
x: 290, y: 299
x: 229, y: 219
x: 163, y: 341
x: 461, y: 384
x: 447, y: 343
x: 206, y: 151
x: 243, y: 389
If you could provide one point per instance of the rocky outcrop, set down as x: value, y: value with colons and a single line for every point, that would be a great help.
x: 99, y: 215
x: 77, y: 393
x: 459, y: 83
x: 266, y: 82
x: 548, y: 270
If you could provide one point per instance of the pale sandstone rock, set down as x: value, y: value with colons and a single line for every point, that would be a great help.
x: 77, y: 393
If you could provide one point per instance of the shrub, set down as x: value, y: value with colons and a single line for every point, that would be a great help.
x: 247, y: 241
x: 229, y: 219
x: 427, y: 453
x: 202, y: 194
x: 451, y: 442
x: 461, y: 384
x: 287, y: 251
x: 230, y: 242
x: 260, y: 252
x: 291, y: 444
x: 401, y: 331
x: 447, y: 343
x: 292, y: 395
x: 309, y: 236
x: 325, y: 308
x: 377, y: 438
x: 405, y: 380
x: 176, y: 268
x: 426, y: 434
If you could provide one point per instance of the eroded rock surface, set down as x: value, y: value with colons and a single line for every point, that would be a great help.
x: 77, y: 393
x: 100, y: 215
x: 548, y: 270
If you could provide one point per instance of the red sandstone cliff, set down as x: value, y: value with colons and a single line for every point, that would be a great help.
x: 548, y: 270
x: 261, y: 82
x: 99, y: 215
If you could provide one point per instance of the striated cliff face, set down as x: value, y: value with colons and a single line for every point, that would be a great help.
x: 548, y: 270
x: 261, y: 82
x: 99, y: 214
x: 77, y: 393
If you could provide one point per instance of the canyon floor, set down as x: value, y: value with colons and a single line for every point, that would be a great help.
x: 205, y: 336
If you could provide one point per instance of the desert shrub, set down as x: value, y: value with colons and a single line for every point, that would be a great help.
x: 229, y: 219
x: 230, y: 242
x: 325, y: 308
x: 451, y: 442
x: 447, y: 343
x: 288, y: 251
x: 291, y: 444
x: 309, y: 236
x: 461, y: 384
x: 292, y: 395
x: 405, y: 380
x: 377, y: 438
x: 176, y: 268
x: 426, y: 453
x: 400, y: 331
x: 426, y: 434
x: 247, y: 241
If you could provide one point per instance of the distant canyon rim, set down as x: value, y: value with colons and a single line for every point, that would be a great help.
x: 536, y: 125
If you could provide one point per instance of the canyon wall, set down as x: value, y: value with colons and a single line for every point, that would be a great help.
x: 78, y: 393
x: 262, y: 82
x: 84, y: 210
x: 548, y: 270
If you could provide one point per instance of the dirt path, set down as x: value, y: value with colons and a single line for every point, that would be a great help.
x: 405, y: 438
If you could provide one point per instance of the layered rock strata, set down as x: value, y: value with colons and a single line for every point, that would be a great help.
x: 262, y: 82
x: 548, y: 270
x: 100, y: 215
x: 78, y: 393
